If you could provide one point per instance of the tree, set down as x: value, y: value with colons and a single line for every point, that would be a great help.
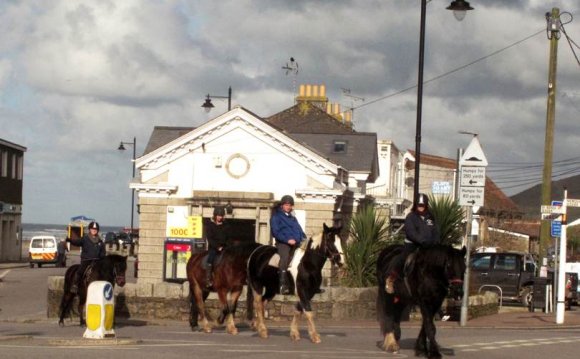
x: 369, y: 234
x: 448, y: 219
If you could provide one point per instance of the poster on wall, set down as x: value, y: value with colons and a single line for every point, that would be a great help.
x: 183, y: 238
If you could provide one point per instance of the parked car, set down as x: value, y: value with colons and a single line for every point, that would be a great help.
x: 509, y: 274
x: 110, y: 238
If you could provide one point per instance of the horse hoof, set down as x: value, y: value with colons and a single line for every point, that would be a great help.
x: 61, y: 323
x: 294, y: 337
x: 316, y: 339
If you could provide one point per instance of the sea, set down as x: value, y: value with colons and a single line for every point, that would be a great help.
x: 30, y: 230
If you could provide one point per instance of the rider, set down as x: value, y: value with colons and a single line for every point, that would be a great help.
x: 288, y: 235
x: 217, y: 234
x: 420, y: 230
x: 92, y: 249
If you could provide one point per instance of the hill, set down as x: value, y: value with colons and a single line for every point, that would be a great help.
x: 529, y: 201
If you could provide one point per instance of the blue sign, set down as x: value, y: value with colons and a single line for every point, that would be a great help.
x: 108, y: 291
x: 556, y: 229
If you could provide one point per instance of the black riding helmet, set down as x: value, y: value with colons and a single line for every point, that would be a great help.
x: 287, y: 199
x: 94, y: 225
x: 422, y: 199
x: 219, y: 211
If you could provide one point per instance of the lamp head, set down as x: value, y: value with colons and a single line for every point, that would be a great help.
x: 459, y: 8
x: 121, y: 147
x: 207, y: 105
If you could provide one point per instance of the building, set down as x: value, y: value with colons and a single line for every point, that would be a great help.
x: 247, y: 163
x: 11, y: 180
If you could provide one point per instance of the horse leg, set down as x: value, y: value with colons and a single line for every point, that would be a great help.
x: 294, y: 331
x: 197, y: 292
x: 81, y: 312
x: 260, y: 325
x: 389, y: 325
x: 65, y: 304
x: 314, y: 336
x: 232, y: 304
x: 193, y: 310
x: 432, y: 350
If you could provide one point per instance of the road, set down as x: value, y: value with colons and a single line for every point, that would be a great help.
x: 25, y: 332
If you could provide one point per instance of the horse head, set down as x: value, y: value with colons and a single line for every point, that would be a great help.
x: 455, y: 270
x: 331, y: 244
x: 119, y: 264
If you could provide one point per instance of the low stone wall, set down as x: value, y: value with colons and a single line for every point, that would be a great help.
x: 171, y: 301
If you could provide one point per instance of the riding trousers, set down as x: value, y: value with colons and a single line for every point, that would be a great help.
x: 285, y: 251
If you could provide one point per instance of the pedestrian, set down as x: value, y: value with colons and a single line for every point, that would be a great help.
x: 420, y: 231
x: 92, y: 249
x: 61, y: 249
x: 288, y: 235
x: 217, y: 235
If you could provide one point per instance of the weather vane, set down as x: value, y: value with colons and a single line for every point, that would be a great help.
x: 292, y: 69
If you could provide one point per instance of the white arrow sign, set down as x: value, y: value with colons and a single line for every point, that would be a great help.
x: 472, y: 176
x: 572, y: 202
x: 471, y: 196
x: 552, y: 209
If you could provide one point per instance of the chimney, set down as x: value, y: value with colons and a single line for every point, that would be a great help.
x: 313, y: 94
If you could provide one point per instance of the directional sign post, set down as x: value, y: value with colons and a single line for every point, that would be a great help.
x: 471, y: 191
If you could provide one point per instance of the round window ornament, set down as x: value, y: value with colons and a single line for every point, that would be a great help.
x: 237, y: 165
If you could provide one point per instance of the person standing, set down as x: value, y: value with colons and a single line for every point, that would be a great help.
x: 92, y: 249
x: 420, y: 231
x: 288, y: 235
x: 217, y: 235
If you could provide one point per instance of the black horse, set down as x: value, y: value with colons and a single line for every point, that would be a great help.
x: 432, y: 273
x: 229, y: 280
x: 112, y: 269
x: 305, y: 269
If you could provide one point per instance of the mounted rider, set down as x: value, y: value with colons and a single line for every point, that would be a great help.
x: 92, y: 249
x: 288, y: 235
x: 420, y: 231
x: 217, y: 235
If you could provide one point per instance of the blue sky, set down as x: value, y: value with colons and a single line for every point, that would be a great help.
x: 78, y: 77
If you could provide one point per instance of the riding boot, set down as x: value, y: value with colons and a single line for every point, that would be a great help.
x: 284, y: 289
x: 209, y: 276
x: 390, y: 284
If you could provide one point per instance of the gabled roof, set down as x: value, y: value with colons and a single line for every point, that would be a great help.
x: 162, y: 135
x: 307, y: 118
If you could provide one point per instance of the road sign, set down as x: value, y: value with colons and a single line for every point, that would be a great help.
x: 552, y: 210
x: 471, y: 196
x: 556, y: 229
x: 572, y: 202
x: 472, y: 176
x: 473, y: 155
x: 551, y: 216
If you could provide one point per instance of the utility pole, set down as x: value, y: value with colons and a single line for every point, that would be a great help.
x: 553, y: 32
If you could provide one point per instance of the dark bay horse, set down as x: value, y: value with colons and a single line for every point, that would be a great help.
x: 434, y: 273
x: 228, y: 280
x: 111, y: 269
x: 305, y: 268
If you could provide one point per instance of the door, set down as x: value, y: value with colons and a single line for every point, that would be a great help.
x: 480, y: 271
x: 506, y: 273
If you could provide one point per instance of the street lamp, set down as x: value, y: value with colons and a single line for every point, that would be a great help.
x: 122, y: 148
x: 459, y: 8
x: 207, y: 105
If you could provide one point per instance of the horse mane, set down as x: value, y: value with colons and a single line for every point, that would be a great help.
x: 435, y: 255
x: 316, y: 240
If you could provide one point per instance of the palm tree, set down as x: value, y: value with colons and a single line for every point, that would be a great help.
x: 448, y: 219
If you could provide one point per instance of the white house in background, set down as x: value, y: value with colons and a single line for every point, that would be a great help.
x: 247, y: 164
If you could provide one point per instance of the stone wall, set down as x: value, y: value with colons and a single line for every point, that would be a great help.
x: 170, y: 301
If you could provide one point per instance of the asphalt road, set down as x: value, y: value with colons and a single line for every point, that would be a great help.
x: 25, y: 332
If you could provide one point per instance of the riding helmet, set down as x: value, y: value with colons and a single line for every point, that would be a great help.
x: 287, y: 199
x: 219, y: 211
x: 422, y: 199
x: 94, y: 225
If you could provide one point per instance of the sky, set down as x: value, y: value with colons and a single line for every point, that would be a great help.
x: 78, y: 77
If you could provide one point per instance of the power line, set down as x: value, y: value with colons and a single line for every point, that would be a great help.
x: 450, y: 72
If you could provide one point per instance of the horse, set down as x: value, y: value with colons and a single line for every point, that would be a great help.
x: 229, y: 279
x: 112, y: 269
x: 431, y: 274
x: 305, y: 269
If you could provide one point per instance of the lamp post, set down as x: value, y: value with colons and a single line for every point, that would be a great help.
x: 459, y: 8
x: 207, y: 105
x: 122, y: 148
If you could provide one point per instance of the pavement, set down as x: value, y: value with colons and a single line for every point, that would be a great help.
x: 509, y: 317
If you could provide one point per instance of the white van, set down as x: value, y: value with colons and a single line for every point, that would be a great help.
x: 43, y: 250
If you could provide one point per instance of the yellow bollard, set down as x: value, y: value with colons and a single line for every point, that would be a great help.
x: 100, y: 310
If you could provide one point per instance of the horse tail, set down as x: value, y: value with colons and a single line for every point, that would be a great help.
x: 249, y: 302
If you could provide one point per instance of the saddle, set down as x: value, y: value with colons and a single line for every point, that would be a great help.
x: 217, y: 261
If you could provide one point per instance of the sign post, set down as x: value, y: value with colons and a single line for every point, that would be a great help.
x: 471, y: 193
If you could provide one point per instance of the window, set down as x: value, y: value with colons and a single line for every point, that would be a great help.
x: 4, y: 164
x: 505, y: 263
x: 13, y: 170
x: 339, y: 146
x: 481, y: 263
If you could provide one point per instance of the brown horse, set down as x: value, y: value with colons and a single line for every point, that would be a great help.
x: 112, y: 269
x: 229, y: 279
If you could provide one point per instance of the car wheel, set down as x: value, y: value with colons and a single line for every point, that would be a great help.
x: 527, y: 296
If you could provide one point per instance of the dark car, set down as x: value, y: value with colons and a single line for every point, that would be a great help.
x: 124, y: 238
x: 509, y: 274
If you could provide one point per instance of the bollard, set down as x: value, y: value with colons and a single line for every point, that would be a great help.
x: 100, y: 310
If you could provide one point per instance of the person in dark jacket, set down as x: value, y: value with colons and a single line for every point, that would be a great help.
x: 288, y: 235
x: 92, y: 249
x: 217, y: 235
x: 420, y: 231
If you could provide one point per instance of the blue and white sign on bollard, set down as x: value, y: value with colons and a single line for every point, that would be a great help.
x: 100, y: 310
